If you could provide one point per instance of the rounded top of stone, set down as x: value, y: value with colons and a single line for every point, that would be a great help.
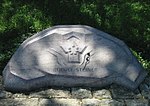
x: 74, y: 52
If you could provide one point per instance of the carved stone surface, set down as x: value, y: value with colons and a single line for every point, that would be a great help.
x: 72, y: 55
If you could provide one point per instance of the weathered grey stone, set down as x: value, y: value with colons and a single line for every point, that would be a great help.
x: 146, y: 94
x: 19, y: 95
x: 110, y: 102
x: 119, y: 92
x: 69, y: 56
x: 81, y: 93
x: 91, y: 102
x: 2, y: 95
x: 145, y: 88
x: 102, y: 94
x: 59, y: 102
x: 51, y: 93
x: 19, y: 102
x: 7, y: 102
x: 137, y: 102
x: 5, y: 94
x: 103, y: 102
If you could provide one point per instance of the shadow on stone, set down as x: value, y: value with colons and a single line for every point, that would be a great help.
x: 112, y: 95
x: 72, y: 56
x: 78, y: 58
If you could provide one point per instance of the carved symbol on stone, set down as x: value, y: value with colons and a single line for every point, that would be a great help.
x: 72, y: 50
x: 86, y: 59
x: 74, y: 53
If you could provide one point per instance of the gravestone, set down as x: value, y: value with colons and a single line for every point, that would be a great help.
x: 71, y: 56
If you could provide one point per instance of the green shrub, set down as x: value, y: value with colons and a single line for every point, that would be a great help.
x: 145, y: 63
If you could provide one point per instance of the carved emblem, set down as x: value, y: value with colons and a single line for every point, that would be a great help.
x: 73, y: 50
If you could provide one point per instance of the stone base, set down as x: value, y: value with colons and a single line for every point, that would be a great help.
x: 112, y: 95
x: 16, y: 84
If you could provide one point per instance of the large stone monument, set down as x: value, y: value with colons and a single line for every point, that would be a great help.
x: 71, y: 56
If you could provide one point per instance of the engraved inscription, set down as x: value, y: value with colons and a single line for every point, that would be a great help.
x: 74, y: 69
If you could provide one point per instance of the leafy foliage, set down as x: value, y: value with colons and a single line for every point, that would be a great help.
x: 145, y: 62
x: 129, y: 20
